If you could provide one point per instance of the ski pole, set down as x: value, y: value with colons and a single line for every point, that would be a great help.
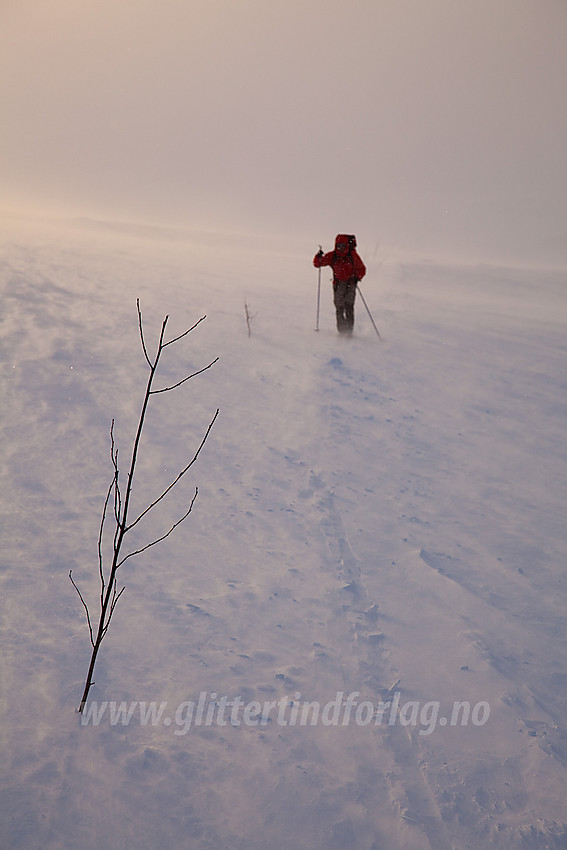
x: 318, y: 294
x: 369, y: 313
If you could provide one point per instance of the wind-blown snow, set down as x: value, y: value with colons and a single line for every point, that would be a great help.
x: 373, y: 517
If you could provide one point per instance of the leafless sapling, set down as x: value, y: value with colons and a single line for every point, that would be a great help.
x: 249, y: 317
x: 117, y: 504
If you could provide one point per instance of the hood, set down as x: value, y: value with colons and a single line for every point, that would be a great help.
x: 345, y: 239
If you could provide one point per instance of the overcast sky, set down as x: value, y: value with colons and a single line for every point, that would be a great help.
x: 428, y: 125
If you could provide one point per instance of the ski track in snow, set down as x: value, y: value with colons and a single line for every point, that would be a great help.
x: 372, y: 517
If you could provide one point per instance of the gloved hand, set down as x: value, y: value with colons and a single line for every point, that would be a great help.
x: 319, y: 252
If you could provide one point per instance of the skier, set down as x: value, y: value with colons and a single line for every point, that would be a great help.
x: 348, y: 269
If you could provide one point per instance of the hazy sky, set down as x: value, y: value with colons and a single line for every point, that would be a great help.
x: 430, y: 125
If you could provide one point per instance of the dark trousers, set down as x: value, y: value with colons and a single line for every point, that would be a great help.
x: 344, y: 293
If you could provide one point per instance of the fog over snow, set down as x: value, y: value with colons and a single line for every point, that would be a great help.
x: 380, y: 521
x: 357, y: 637
x: 435, y: 125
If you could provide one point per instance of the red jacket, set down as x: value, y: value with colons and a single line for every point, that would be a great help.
x: 344, y: 261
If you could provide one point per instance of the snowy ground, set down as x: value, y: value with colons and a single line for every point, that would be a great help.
x: 377, y: 518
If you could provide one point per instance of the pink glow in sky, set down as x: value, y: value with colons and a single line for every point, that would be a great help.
x: 436, y: 125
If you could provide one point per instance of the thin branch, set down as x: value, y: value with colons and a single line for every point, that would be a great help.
x: 117, y: 505
x: 174, y: 482
x: 84, y: 605
x: 105, y: 622
x: 188, y: 378
x: 161, y: 344
x: 117, y: 500
x: 188, y: 331
x: 100, y: 536
x: 115, y: 598
x: 142, y: 333
x: 114, y: 461
x: 248, y: 318
x: 159, y: 539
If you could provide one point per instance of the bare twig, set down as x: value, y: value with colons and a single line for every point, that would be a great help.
x: 149, y: 362
x: 109, y: 594
x: 181, y: 474
x: 188, y: 378
x: 84, y: 605
x: 188, y: 331
x: 159, y: 539
x: 249, y: 318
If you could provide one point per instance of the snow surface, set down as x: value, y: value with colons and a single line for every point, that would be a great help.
x: 373, y: 517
